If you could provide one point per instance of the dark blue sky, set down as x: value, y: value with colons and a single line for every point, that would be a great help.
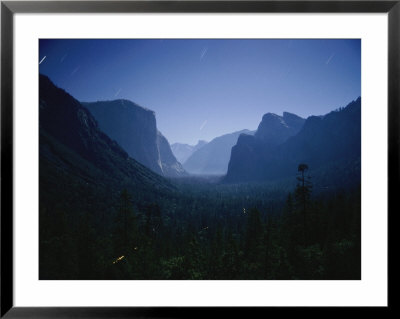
x: 201, y: 89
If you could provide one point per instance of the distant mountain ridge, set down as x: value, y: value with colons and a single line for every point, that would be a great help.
x: 135, y: 129
x: 213, y: 158
x: 183, y: 151
x: 321, y: 141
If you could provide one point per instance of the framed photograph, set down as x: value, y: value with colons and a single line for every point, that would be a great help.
x: 175, y: 158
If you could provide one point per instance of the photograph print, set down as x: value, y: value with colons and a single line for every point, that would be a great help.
x: 199, y: 159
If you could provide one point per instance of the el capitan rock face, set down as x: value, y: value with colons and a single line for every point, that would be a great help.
x: 135, y: 129
x: 72, y: 144
x: 320, y: 141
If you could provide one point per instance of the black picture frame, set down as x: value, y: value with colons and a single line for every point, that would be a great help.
x: 9, y: 8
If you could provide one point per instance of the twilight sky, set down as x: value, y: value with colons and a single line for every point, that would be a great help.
x: 201, y: 89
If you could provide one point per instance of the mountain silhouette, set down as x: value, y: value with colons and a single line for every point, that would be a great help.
x: 213, y: 158
x: 183, y: 151
x: 72, y: 145
x: 322, y: 141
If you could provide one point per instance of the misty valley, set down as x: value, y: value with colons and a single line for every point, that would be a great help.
x: 117, y: 201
